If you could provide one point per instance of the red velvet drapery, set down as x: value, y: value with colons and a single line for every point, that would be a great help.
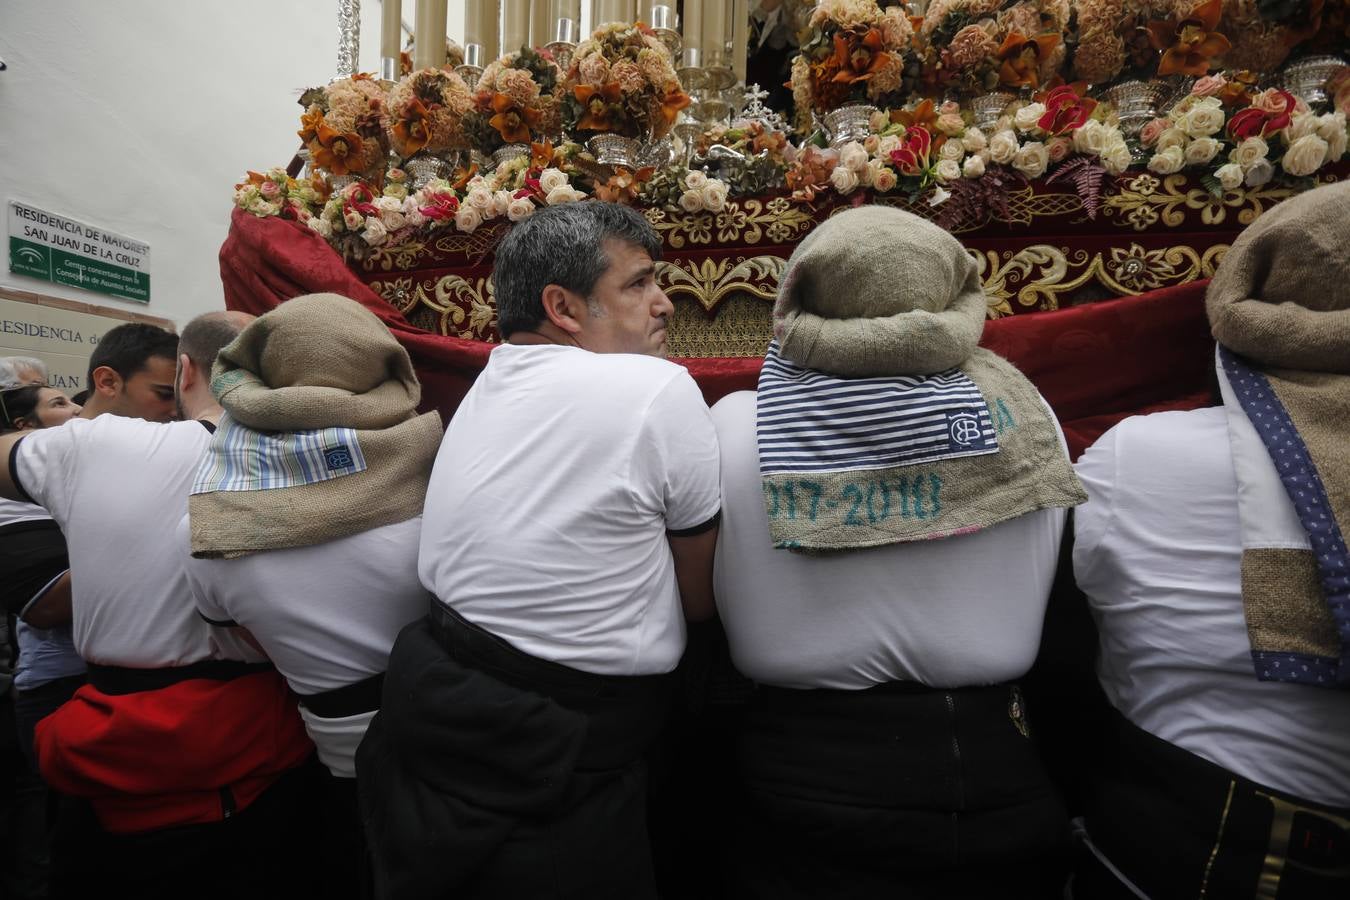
x: 1095, y: 364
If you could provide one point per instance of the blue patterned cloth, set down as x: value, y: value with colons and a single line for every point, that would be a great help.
x: 242, y: 459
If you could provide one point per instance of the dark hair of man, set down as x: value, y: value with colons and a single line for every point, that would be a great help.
x: 562, y: 245
x: 204, y: 336
x: 127, y: 348
x: 17, y: 403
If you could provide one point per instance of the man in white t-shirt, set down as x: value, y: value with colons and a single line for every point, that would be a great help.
x: 1224, y: 763
x: 886, y: 751
x: 568, y: 532
x: 180, y: 737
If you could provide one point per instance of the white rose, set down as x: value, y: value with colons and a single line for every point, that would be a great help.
x: 520, y: 208
x: 1203, y: 119
x: 1090, y: 138
x: 467, y: 218
x: 887, y: 144
x: 1331, y: 128
x: 563, y: 194
x: 1168, y: 161
x: 884, y: 179
x: 974, y: 167
x: 1249, y: 152
x: 352, y: 220
x: 322, y: 226
x: 1004, y: 123
x: 691, y: 201
x: 845, y: 180
x: 388, y: 204
x: 1172, y: 137
x: 1202, y: 150
x: 952, y: 150
x: 1116, y: 157
x: 1230, y: 176
x: 1032, y: 159
x: 1301, y: 126
x: 1003, y: 147
x: 414, y: 217
x: 948, y: 170
x: 714, y: 195
x: 552, y: 179
x: 1258, y: 173
x: 873, y: 174
x: 375, y: 232
x: 1305, y: 155
x: 973, y: 140
x: 393, y: 221
x: 695, y: 180
x: 1026, y: 118
x: 501, y: 201
x: 480, y: 198
x: 853, y: 157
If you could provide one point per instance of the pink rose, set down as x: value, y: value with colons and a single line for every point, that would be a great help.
x: 1208, y: 85
x: 1274, y: 100
x: 270, y: 190
x: 949, y: 108
x: 1059, y: 148
x: 1148, y: 135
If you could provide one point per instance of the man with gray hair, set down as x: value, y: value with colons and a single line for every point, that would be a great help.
x: 568, y: 532
x: 16, y: 371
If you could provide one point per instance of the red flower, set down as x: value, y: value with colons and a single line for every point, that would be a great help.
x: 1065, y: 111
x: 442, y: 206
x: 1252, y: 122
x: 911, y: 158
x: 361, y: 198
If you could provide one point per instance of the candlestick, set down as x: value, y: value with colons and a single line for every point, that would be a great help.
x: 515, y: 25
x: 740, y: 38
x: 607, y: 11
x: 691, y: 30
x: 541, y: 25
x: 473, y: 26
x: 492, y: 28
x: 391, y: 38
x: 715, y: 31
x: 429, y: 34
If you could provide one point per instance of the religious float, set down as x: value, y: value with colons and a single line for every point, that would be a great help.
x: 1096, y: 157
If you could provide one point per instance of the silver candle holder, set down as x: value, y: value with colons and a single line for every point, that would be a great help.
x: 665, y: 25
x: 717, y: 73
x: 472, y: 67
x: 389, y: 67
x: 566, y: 33
x: 690, y: 69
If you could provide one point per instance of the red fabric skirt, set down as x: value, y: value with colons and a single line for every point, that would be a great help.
x: 191, y: 753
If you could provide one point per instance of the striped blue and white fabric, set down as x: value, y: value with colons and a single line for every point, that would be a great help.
x: 242, y: 459
x: 808, y: 421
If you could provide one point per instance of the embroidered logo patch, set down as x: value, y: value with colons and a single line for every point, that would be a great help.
x: 337, y: 458
x: 964, y: 431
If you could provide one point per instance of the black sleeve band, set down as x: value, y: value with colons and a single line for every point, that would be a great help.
x: 14, y: 472
x: 219, y: 623
x: 698, y: 529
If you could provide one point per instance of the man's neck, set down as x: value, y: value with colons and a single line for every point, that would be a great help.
x: 548, y: 333
x: 94, y: 407
x: 203, y: 412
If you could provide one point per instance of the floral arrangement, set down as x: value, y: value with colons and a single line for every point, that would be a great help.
x: 1262, y: 34
x: 1240, y: 139
x: 621, y: 80
x: 277, y: 194
x: 515, y: 101
x: 692, y: 191
x: 343, y: 126
x: 853, y: 52
x: 426, y: 112
x: 976, y: 46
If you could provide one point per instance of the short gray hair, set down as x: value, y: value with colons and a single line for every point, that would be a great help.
x: 12, y: 366
x: 562, y: 245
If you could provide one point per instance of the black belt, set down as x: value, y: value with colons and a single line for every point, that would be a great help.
x: 349, y: 700
x: 122, y: 680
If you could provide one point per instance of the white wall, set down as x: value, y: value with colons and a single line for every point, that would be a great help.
x: 138, y: 117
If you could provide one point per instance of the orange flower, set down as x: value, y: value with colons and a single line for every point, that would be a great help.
x: 333, y: 149
x: 541, y: 155
x: 460, y: 180
x: 1021, y: 58
x: 320, y: 186
x: 597, y: 101
x: 924, y: 114
x: 1237, y: 90
x: 412, y: 128
x: 253, y: 178
x: 623, y: 186
x: 858, y: 60
x: 309, y: 124
x: 1190, y: 44
x: 671, y: 104
x: 512, y: 121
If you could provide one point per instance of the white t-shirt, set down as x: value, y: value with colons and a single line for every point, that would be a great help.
x: 12, y: 512
x: 954, y: 612
x: 552, y: 494
x: 1158, y: 553
x: 327, y: 615
x: 118, y: 488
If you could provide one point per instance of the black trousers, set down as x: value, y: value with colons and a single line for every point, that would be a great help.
x: 896, y: 791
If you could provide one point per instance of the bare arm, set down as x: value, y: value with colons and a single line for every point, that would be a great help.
x: 53, y: 607
x: 693, y: 572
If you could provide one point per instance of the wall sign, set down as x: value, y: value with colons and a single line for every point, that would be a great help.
x: 64, y: 251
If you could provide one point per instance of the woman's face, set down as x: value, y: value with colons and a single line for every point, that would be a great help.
x: 54, y: 408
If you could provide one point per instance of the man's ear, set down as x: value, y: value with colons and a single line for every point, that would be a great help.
x: 189, y: 374
x: 106, y: 381
x: 563, y: 308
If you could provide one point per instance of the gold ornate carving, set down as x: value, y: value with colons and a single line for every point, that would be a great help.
x: 463, y: 307
x: 711, y: 281
x: 746, y: 221
x: 742, y: 328
x: 1143, y: 200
